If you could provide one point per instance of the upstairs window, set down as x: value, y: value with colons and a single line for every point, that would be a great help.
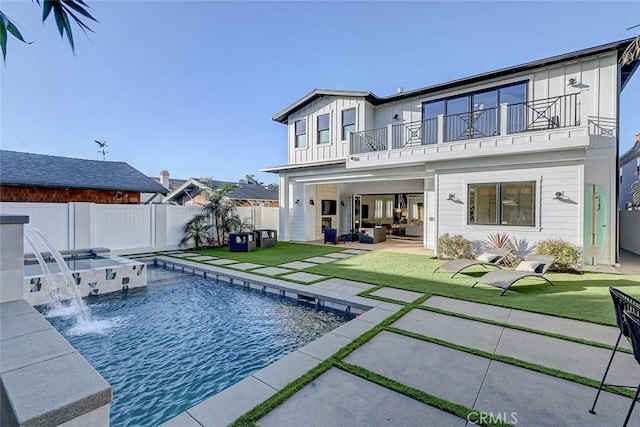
x: 301, y: 133
x: 348, y: 122
x: 504, y: 203
x: 324, y: 135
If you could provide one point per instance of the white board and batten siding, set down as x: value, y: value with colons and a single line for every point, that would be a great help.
x: 553, y: 218
x: 336, y: 148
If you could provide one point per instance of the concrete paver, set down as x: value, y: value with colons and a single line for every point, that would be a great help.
x: 397, y: 294
x: 297, y: 265
x: 449, y: 374
x: 337, y: 398
x: 202, y: 258
x: 303, y: 277
x: 540, y: 400
x: 280, y: 373
x: 245, y: 266
x: 474, y: 309
x: 222, y: 261
x: 355, y: 251
x: 272, y: 271
x: 452, y: 329
x: 319, y: 259
x: 339, y: 255
x: 325, y: 346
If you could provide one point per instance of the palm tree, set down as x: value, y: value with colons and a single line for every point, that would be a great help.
x: 219, y: 208
x: 196, y: 230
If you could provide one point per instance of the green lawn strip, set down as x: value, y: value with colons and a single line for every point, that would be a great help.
x: 515, y: 362
x: 271, y: 256
x: 415, y: 394
x: 580, y: 297
x: 524, y: 329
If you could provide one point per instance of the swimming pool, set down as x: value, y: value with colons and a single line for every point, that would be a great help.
x: 184, y: 338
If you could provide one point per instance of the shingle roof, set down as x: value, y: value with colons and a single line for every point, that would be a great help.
x: 254, y: 192
x: 38, y: 170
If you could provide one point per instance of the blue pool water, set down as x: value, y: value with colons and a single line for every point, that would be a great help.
x: 185, y: 338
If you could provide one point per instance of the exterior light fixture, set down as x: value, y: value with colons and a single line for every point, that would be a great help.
x: 297, y: 201
x: 311, y: 202
x: 452, y: 196
x: 560, y: 196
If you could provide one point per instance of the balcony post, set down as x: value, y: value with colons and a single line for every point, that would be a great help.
x: 389, y: 136
x: 503, y: 118
x: 440, y: 128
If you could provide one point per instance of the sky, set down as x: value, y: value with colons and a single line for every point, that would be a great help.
x: 191, y: 86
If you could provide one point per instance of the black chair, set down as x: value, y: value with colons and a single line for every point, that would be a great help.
x: 621, y: 303
x: 633, y: 327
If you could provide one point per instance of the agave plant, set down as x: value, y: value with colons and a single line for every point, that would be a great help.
x: 502, y: 240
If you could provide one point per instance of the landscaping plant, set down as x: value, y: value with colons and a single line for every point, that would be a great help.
x: 568, y: 256
x: 453, y: 247
x: 502, y: 240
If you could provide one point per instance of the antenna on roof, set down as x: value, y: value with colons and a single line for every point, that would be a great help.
x: 102, y: 150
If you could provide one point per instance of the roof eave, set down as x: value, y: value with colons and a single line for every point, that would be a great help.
x: 283, y: 116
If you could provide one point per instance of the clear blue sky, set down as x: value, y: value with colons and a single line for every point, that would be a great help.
x: 190, y: 86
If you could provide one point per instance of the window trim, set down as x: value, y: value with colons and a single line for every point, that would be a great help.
x: 296, y: 134
x: 499, y: 184
x: 328, y: 129
x: 343, y: 136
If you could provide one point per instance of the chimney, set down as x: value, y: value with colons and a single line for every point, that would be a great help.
x: 164, y: 179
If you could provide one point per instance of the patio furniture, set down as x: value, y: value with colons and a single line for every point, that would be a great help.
x: 242, y: 242
x: 372, y: 235
x: 621, y: 303
x: 266, y: 238
x: 492, y: 257
x: 532, y: 266
x: 632, y: 321
x: 331, y: 236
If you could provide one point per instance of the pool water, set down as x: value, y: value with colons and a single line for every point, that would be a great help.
x: 185, y: 338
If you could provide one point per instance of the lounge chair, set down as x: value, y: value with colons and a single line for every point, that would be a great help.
x: 492, y: 257
x: 532, y: 266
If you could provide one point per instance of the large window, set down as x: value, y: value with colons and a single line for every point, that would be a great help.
x: 324, y: 135
x: 348, y: 122
x: 301, y: 133
x: 505, y: 203
x: 476, y: 115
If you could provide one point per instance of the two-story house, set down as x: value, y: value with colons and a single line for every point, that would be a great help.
x: 529, y: 150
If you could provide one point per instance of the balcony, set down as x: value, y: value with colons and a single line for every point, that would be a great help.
x: 544, y: 114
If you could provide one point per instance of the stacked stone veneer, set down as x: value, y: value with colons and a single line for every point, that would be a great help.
x: 44, y: 381
x: 122, y: 275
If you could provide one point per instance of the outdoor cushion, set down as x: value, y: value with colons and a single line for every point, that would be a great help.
x: 488, y: 257
x: 528, y: 266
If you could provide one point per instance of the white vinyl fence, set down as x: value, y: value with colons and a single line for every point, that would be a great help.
x: 121, y: 228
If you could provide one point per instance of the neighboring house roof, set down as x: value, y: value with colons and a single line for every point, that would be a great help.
x: 39, y: 170
x: 632, y: 154
x: 173, y: 183
x: 242, y: 192
x: 619, y: 46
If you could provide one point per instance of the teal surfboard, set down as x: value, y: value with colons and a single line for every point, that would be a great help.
x: 595, y: 223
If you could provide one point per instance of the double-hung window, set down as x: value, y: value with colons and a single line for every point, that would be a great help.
x: 502, y: 203
x: 324, y: 135
x: 348, y: 122
x: 301, y: 133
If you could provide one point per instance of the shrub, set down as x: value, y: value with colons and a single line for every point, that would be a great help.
x: 501, y: 240
x: 453, y: 247
x: 568, y: 256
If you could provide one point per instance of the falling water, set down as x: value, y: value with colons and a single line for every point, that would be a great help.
x: 76, y: 306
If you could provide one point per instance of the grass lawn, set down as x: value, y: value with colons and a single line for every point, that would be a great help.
x: 276, y: 255
x: 583, y: 297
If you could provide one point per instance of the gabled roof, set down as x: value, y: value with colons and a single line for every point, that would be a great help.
x: 39, y: 170
x: 283, y: 116
x: 242, y: 192
x: 632, y: 154
x: 619, y: 46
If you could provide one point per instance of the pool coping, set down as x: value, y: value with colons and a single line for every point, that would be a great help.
x: 225, y: 407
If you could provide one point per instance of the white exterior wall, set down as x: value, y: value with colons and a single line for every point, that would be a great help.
x: 554, y: 218
x: 336, y: 148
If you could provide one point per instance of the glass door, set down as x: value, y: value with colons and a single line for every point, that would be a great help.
x: 356, y: 203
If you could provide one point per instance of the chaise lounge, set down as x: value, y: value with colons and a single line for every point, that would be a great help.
x: 532, y: 266
x: 492, y: 257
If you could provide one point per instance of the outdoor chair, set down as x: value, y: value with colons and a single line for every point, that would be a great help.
x: 632, y: 321
x: 492, y: 257
x: 331, y: 236
x: 621, y: 303
x: 532, y: 266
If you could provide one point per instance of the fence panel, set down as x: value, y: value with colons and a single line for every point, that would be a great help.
x: 122, y: 226
x: 52, y: 219
x: 177, y: 217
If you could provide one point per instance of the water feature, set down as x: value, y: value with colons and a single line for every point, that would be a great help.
x: 184, y: 338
